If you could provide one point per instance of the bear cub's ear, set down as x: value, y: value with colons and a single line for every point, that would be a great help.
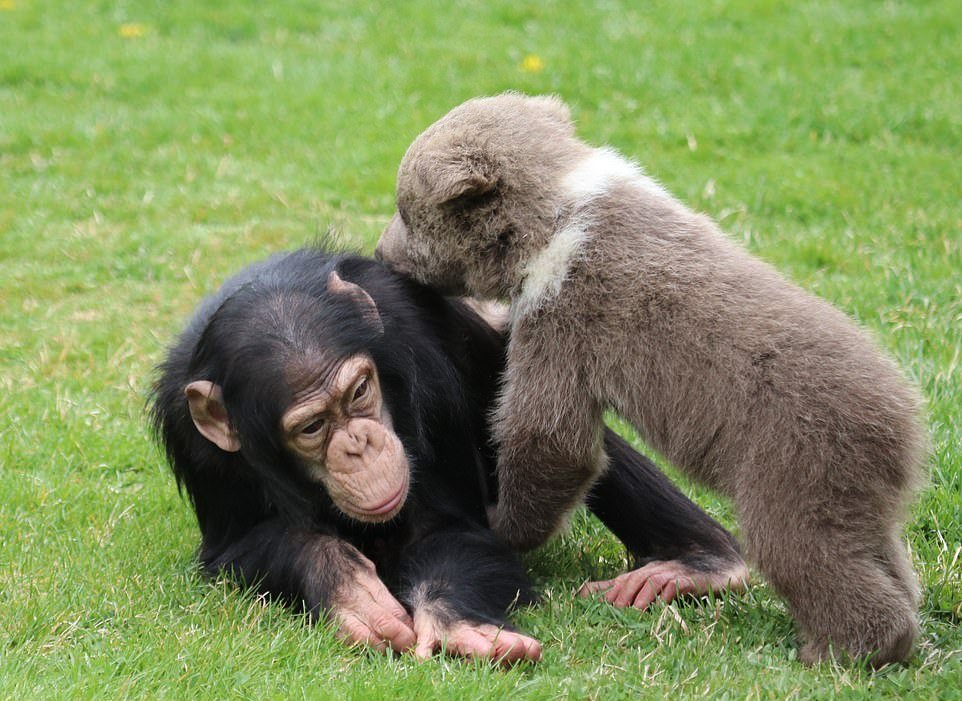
x: 460, y: 173
x: 554, y: 108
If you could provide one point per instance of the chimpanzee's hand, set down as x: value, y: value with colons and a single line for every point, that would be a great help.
x: 665, y: 580
x: 366, y: 613
x: 472, y: 640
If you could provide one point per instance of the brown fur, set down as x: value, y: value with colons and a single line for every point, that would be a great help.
x: 737, y: 376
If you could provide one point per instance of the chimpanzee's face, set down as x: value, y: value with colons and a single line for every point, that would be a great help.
x: 336, y: 425
x: 339, y: 428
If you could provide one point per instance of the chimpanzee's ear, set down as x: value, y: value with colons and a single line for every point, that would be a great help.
x: 339, y: 286
x: 462, y: 171
x: 207, y: 409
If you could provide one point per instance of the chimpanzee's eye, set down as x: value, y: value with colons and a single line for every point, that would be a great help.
x: 313, y: 428
x: 361, y: 390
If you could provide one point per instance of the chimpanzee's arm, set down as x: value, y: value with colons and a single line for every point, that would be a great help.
x: 294, y: 565
x: 459, y: 584
x: 320, y: 572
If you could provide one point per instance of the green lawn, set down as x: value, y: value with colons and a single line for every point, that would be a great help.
x: 148, y: 149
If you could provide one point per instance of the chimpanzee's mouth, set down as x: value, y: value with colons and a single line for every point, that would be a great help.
x: 386, y: 509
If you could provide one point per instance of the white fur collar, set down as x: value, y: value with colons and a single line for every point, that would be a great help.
x: 548, y: 269
x: 594, y: 176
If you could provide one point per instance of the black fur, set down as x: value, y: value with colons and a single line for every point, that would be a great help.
x: 263, y: 520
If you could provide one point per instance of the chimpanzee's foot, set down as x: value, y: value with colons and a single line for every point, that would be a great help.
x: 666, y: 580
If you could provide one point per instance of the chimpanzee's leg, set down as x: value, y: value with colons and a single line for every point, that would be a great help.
x: 676, y: 547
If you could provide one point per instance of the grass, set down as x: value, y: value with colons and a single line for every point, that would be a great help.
x: 149, y: 149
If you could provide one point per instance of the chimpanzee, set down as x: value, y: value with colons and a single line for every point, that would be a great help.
x: 328, y: 419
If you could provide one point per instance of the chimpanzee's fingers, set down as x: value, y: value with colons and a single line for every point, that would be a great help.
x: 393, y: 631
x: 664, y: 584
x: 491, y: 642
x: 353, y: 631
x: 427, y: 634
x: 466, y: 641
x: 373, y: 617
x: 627, y: 587
x: 384, y: 599
x: 639, y: 588
x: 375, y: 604
x: 482, y: 641
x: 513, y: 647
x: 532, y: 648
x: 589, y: 588
x: 645, y: 596
x: 380, y: 633
x: 387, y: 600
x: 661, y: 586
x: 425, y: 647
